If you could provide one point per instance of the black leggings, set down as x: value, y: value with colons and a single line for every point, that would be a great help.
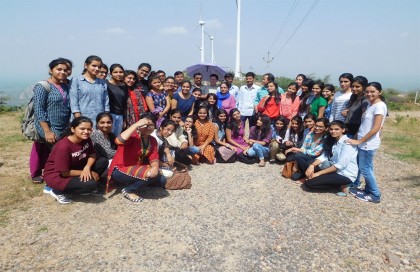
x: 77, y: 186
x: 327, y: 181
x: 303, y: 161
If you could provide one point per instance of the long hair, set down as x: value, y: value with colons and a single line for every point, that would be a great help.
x: 285, y: 122
x: 233, y: 124
x: 274, y: 94
x: 299, y: 130
x: 265, y: 128
x: 220, y: 124
x: 331, y: 141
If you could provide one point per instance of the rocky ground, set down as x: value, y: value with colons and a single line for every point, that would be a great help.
x: 236, y: 217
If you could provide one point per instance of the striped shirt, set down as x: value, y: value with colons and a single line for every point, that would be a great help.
x: 338, y: 105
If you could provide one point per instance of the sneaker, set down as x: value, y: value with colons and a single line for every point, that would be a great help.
x: 356, y: 192
x: 47, y: 189
x: 37, y: 180
x: 61, y: 198
x: 272, y: 161
x: 369, y: 198
x: 280, y: 156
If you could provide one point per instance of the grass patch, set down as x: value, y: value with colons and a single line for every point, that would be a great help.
x: 401, y: 137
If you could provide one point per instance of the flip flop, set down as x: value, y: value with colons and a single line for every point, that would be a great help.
x: 126, y: 195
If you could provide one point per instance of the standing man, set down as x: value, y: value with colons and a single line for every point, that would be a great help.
x: 213, y: 83
x: 245, y: 99
x: 198, y: 79
x: 263, y: 90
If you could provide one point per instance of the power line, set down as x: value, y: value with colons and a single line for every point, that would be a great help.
x: 299, y: 25
x: 286, y: 20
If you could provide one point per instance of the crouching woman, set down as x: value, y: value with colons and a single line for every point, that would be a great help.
x: 72, y: 167
x: 136, y: 162
x: 339, y: 160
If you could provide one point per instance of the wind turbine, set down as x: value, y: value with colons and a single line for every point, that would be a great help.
x: 201, y: 23
x: 238, y: 40
x: 211, y: 37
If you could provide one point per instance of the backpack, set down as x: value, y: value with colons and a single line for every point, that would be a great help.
x: 28, y: 121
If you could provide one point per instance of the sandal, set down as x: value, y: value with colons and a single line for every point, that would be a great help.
x: 126, y: 195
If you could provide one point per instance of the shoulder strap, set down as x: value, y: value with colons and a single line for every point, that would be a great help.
x: 45, y: 85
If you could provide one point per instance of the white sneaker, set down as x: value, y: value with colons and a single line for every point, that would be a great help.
x: 61, y: 198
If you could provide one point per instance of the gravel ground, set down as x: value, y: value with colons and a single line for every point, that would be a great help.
x: 236, y: 217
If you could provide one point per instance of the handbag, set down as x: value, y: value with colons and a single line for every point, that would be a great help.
x: 288, y: 169
x: 225, y: 155
x: 181, y: 179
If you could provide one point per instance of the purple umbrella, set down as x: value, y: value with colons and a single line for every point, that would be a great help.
x: 206, y: 69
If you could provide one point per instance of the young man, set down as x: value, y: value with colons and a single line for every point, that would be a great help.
x: 213, y: 83
x: 246, y: 97
x: 179, y: 77
x: 263, y: 90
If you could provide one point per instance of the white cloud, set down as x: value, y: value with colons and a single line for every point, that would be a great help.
x: 173, y: 30
x: 116, y: 30
x: 214, y: 24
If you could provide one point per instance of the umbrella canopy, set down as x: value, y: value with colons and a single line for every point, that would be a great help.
x: 206, y: 69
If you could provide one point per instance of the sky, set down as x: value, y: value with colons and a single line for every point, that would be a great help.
x: 379, y: 39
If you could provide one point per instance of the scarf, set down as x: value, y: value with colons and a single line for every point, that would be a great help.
x: 221, y: 97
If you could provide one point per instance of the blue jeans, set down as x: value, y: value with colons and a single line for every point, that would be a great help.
x: 258, y: 150
x: 117, y: 124
x: 366, y: 169
x: 193, y: 150
x: 133, y: 184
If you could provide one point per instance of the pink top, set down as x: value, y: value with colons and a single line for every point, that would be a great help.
x: 229, y: 103
x: 288, y: 107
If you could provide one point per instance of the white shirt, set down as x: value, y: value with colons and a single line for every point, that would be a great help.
x: 338, y: 105
x: 245, y: 99
x: 368, y: 118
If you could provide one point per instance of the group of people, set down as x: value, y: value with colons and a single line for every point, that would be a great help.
x: 130, y: 128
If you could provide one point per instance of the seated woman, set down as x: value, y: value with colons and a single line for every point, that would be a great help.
x: 205, y: 135
x: 312, y: 147
x: 102, y: 137
x: 178, y: 141
x: 136, y: 163
x: 293, y: 137
x: 212, y: 105
x: 72, y: 167
x: 259, y: 139
x: 166, y: 155
x: 341, y: 159
x: 277, y: 137
x: 220, y: 123
x: 235, y: 132
x: 190, y: 133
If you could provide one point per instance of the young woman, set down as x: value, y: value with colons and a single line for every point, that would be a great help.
x: 225, y: 100
x: 277, y: 138
x: 178, y: 141
x: 88, y: 93
x: 143, y: 70
x: 289, y: 102
x: 318, y: 104
x: 341, y: 98
x: 341, y: 159
x: 235, y: 131
x: 52, y: 116
x: 259, y: 139
x: 103, y: 71
x: 136, y: 104
x: 313, y: 146
x: 190, y: 132
x: 212, y: 105
x: 306, y: 97
x: 328, y: 94
x: 205, y: 135
x: 220, y: 123
x: 270, y: 104
x: 308, y: 123
x: 356, y: 106
x: 136, y: 162
x: 299, y: 79
x: 157, y: 100
x: 118, y: 94
x: 368, y: 141
x: 170, y: 87
x: 293, y: 137
x: 166, y: 155
x: 184, y: 100
x: 72, y: 167
x: 103, y: 138
x: 69, y: 71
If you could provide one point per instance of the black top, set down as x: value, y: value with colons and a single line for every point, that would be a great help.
x: 117, y: 98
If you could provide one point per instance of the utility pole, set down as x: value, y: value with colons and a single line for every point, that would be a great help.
x: 268, y: 60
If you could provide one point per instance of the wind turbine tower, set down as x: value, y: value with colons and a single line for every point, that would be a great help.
x: 211, y: 37
x: 202, y: 23
x: 238, y: 40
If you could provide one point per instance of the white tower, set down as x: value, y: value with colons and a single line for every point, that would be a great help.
x: 202, y: 23
x: 238, y: 40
